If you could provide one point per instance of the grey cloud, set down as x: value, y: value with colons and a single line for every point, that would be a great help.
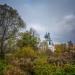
x: 66, y: 29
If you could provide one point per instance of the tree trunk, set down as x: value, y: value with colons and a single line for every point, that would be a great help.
x: 2, y: 53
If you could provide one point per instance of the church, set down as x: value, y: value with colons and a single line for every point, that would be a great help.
x: 47, y: 44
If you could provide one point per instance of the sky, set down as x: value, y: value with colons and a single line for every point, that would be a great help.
x: 54, y: 16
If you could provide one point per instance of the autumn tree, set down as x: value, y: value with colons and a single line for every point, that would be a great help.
x: 10, y: 23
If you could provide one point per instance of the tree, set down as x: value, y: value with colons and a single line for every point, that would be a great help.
x: 10, y: 23
x: 27, y: 39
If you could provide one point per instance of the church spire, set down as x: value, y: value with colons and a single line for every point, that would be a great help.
x: 48, y: 38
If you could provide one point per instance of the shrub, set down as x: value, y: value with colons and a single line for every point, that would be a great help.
x: 12, y: 70
x: 69, y: 69
x: 2, y: 67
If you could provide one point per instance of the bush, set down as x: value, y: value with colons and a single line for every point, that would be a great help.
x: 50, y: 69
x: 45, y: 69
x: 21, y: 59
x: 25, y: 52
x: 69, y: 69
x: 2, y: 67
x: 12, y: 70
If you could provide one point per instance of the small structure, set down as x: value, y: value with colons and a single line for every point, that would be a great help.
x: 50, y: 43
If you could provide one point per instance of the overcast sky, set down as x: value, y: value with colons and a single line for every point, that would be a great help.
x: 54, y: 16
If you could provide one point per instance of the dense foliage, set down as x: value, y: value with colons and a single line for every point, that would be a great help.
x: 10, y: 23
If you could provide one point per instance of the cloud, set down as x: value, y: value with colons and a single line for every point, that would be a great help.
x: 66, y: 30
x: 69, y: 17
x: 37, y: 27
x: 68, y: 23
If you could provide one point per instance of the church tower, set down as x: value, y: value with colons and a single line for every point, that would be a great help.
x: 49, y: 41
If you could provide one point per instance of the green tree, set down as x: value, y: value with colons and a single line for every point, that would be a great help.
x: 27, y: 39
x: 10, y: 23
